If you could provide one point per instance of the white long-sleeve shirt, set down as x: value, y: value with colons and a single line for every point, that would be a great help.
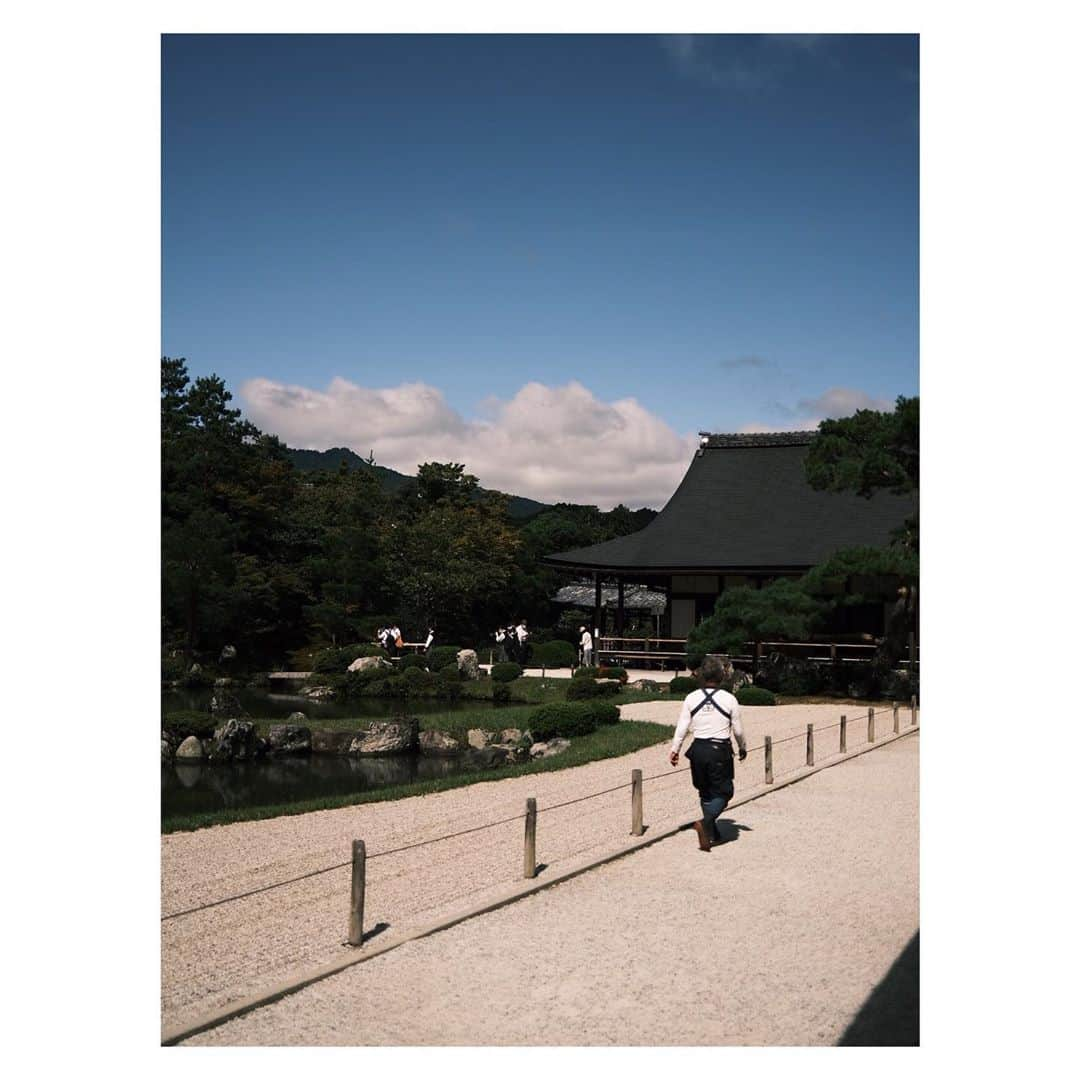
x: 708, y: 722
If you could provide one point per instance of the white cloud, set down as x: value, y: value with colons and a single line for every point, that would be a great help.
x: 834, y: 403
x: 550, y: 443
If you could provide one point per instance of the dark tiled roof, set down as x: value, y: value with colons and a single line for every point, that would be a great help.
x: 635, y: 597
x: 744, y: 503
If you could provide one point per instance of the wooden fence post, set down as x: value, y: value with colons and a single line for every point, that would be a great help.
x: 809, y: 744
x: 843, y: 734
x: 913, y: 707
x: 636, y: 811
x: 356, y: 903
x: 530, y: 838
x: 870, y: 724
x: 768, y: 759
x: 896, y: 718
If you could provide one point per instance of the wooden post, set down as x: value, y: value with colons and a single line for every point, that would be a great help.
x: 870, y: 724
x: 356, y: 903
x: 637, y: 826
x: 530, y: 838
x: 809, y: 744
x: 914, y: 707
x: 896, y: 718
x: 843, y: 734
x: 768, y: 759
x: 757, y: 657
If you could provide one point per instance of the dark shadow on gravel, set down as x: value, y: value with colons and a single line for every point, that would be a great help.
x: 727, y: 831
x: 890, y: 1015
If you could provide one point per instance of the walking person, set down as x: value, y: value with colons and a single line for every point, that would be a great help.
x: 712, y: 714
x: 586, y: 647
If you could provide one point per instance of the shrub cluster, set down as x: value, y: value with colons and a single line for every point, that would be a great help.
x: 335, y: 660
x: 586, y: 672
x: 443, y: 655
x: 585, y: 689
x: 570, y: 719
x: 682, y: 684
x: 755, y: 695
x: 500, y: 693
x: 506, y: 671
x: 555, y: 654
x: 613, y: 673
x: 412, y: 661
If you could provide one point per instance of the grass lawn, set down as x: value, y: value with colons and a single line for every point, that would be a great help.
x: 611, y: 741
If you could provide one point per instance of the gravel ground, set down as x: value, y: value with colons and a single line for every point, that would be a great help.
x: 776, y: 939
x: 217, y: 955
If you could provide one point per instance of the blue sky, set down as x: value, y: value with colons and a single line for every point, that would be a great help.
x: 384, y: 239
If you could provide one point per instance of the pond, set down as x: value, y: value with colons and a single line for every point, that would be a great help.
x: 193, y: 787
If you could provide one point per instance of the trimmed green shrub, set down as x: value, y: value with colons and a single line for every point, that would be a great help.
x: 337, y: 660
x: 450, y: 681
x: 173, y: 668
x: 613, y: 673
x: 506, y: 671
x: 589, y: 672
x: 570, y: 719
x: 443, y: 655
x: 416, y: 679
x: 586, y: 689
x: 554, y: 654
x: 412, y: 661
x: 184, y: 722
x: 451, y: 672
x: 683, y: 684
x: 500, y: 693
x: 755, y: 695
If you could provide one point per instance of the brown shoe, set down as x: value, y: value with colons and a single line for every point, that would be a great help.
x: 702, y: 837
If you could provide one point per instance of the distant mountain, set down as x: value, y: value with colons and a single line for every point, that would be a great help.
x: 324, y: 460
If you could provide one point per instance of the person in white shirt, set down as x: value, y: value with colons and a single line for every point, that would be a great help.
x: 586, y: 647
x: 712, y: 714
x: 430, y: 640
x: 522, y: 635
x: 500, y: 643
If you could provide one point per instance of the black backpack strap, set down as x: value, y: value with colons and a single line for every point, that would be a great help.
x: 708, y: 700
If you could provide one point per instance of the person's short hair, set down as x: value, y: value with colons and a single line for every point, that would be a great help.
x: 715, y: 669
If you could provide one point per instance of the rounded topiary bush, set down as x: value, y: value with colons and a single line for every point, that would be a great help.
x: 506, y: 671
x: 586, y: 689
x: 443, y: 655
x: 500, y: 693
x: 570, y: 719
x: 755, y: 695
x: 589, y: 672
x: 412, y: 661
x: 683, y: 684
x: 554, y: 654
x: 416, y: 680
x: 338, y: 658
x: 613, y: 673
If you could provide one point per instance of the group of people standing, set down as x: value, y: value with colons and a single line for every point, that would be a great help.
x: 511, y: 642
x: 389, y: 637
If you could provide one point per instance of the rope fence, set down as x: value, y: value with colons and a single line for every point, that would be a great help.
x: 360, y: 857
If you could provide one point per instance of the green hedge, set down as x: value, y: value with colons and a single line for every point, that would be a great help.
x: 613, y: 673
x: 755, y: 695
x: 586, y: 689
x: 683, y: 684
x: 554, y: 654
x: 500, y: 693
x: 586, y: 672
x: 412, y: 661
x: 337, y: 660
x: 506, y: 671
x: 570, y: 719
x: 442, y: 655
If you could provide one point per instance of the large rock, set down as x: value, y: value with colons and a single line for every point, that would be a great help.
x: 515, y: 752
x: 741, y: 679
x: 438, y: 742
x: 297, y: 718
x: 556, y: 746
x: 387, y: 737
x: 468, y: 664
x: 318, y: 693
x: 234, y: 741
x: 228, y: 652
x: 511, y: 736
x: 489, y: 758
x: 538, y: 749
x: 645, y: 684
x: 332, y: 742
x: 367, y: 663
x: 191, y: 749
x: 289, y: 738
x: 478, y: 738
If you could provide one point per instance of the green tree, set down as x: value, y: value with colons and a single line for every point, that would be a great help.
x: 779, y: 611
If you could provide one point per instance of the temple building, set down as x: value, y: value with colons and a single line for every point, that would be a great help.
x: 744, y: 514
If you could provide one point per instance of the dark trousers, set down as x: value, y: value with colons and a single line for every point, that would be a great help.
x: 712, y: 772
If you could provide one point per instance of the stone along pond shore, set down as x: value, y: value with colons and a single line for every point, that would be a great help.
x: 221, y: 953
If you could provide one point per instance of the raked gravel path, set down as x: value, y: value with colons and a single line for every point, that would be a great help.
x: 223, y: 953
